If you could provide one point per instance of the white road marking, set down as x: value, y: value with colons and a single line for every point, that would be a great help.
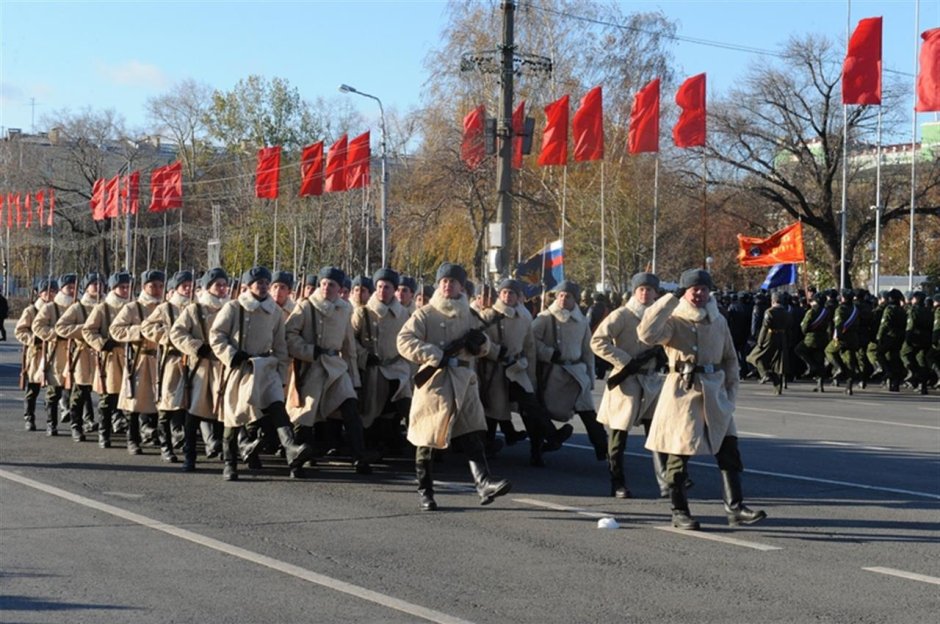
x: 930, y: 409
x: 784, y: 475
x: 262, y: 560
x: 124, y: 495
x: 829, y: 416
x: 751, y: 434
x: 719, y: 538
x: 852, y: 445
x: 557, y: 507
x: 923, y: 578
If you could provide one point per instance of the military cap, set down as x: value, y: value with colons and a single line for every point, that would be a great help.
x: 644, y: 279
x: 179, y: 278
x: 68, y: 278
x: 569, y: 287
x: 254, y: 274
x: 119, y: 278
x: 47, y: 283
x: 283, y: 277
x: 152, y: 276
x: 89, y: 279
x: 427, y: 292
x: 513, y: 285
x: 386, y: 275
x: 334, y: 274
x: 362, y: 280
x: 409, y: 282
x: 451, y: 270
x: 213, y: 275
x: 695, y: 277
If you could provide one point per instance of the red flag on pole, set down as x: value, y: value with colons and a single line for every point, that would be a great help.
x: 267, y: 172
x: 130, y: 194
x: 518, y: 127
x: 555, y: 136
x: 358, y: 157
x: 9, y: 211
x: 473, y: 148
x: 156, y: 189
x: 51, y: 212
x: 689, y: 131
x: 29, y: 210
x: 783, y: 246
x: 173, y: 186
x: 112, y: 193
x: 861, y: 71
x: 644, y: 120
x: 41, y: 208
x: 928, y: 78
x: 97, y: 200
x: 311, y: 170
x: 336, y: 167
x: 588, y: 127
x: 19, y: 210
x: 1, y: 209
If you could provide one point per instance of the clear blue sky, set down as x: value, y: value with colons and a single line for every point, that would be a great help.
x: 117, y: 54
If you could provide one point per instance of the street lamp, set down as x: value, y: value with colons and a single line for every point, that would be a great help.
x: 344, y: 88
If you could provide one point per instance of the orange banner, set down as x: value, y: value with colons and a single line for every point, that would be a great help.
x: 780, y: 247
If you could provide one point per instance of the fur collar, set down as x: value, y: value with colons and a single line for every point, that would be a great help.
x: 562, y: 315
x: 395, y: 308
x: 114, y: 301
x: 178, y: 300
x: 450, y: 307
x: 38, y: 304
x: 248, y: 301
x: 510, y: 312
x: 210, y: 301
x: 88, y: 300
x: 637, y: 308
x: 147, y: 300
x: 288, y: 306
x: 63, y: 300
x: 326, y: 307
x: 689, y: 312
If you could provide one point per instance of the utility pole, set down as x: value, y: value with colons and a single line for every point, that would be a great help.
x: 499, y: 232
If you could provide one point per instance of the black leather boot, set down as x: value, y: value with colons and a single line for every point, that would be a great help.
x: 487, y: 487
x: 133, y: 434
x: 296, y: 454
x: 189, y: 443
x: 681, y: 517
x: 735, y: 509
x: 557, y: 437
x: 211, y: 437
x: 659, y: 470
x: 352, y: 422
x: 29, y: 414
x: 75, y: 422
x: 52, y: 418
x: 104, y: 429
x: 230, y: 455
x: 425, y: 485
x: 618, y: 482
x: 596, y: 434
x: 148, y: 432
x: 166, y: 437
x: 249, y: 448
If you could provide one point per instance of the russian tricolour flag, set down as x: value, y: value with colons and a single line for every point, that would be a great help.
x: 543, y: 270
x: 780, y: 275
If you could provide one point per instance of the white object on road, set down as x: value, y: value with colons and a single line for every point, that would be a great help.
x: 607, y: 523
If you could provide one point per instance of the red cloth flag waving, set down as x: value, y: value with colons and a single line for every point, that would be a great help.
x: 156, y: 189
x: 518, y: 127
x: 644, y: 120
x: 51, y: 212
x: 473, y: 148
x: 311, y: 170
x: 97, y: 200
x: 588, y: 127
x: 29, y: 210
x: 130, y: 193
x: 112, y: 188
x: 861, y: 71
x: 689, y: 131
x: 555, y: 136
x: 783, y: 246
x: 40, y: 207
x: 173, y: 186
x: 1, y: 209
x: 928, y: 79
x: 358, y: 156
x: 19, y: 209
x: 336, y: 167
x: 267, y: 172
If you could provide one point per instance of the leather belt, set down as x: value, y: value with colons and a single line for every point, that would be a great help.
x: 152, y: 352
x: 333, y: 352
x: 684, y: 368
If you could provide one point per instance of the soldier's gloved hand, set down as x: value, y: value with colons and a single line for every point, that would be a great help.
x: 109, y: 345
x: 556, y: 356
x: 205, y: 351
x: 37, y: 341
x: 240, y: 358
x: 372, y: 360
x: 475, y: 341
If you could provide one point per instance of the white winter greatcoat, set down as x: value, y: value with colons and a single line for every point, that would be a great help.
x: 510, y: 336
x: 376, y: 326
x: 448, y: 405
x: 69, y: 328
x: 258, y: 383
x: 616, y: 341
x: 156, y: 327
x: 565, y: 387
x: 96, y: 332
x: 126, y: 328
x: 189, y: 332
x: 318, y: 386
x: 56, y: 349
x: 23, y: 330
x: 693, y: 421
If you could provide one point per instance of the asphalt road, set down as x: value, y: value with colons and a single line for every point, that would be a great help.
x: 851, y: 486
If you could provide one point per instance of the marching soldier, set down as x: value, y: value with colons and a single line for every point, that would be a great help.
x: 444, y: 339
x: 871, y: 352
x: 841, y: 350
x: 407, y: 287
x: 694, y: 415
x: 566, y: 364
x: 325, y: 375
x: 917, y: 336
x: 171, y: 387
x: 56, y: 350
x: 362, y: 288
x: 109, y: 361
x: 248, y: 337
x: 817, y: 327
x: 423, y: 298
x: 33, y: 368
x: 138, y: 394
x: 79, y: 372
x: 935, y: 340
x: 385, y: 375
x: 202, y: 370
x: 282, y: 287
x: 507, y: 374
x: 634, y: 383
x: 769, y: 355
x: 890, y: 338
x: 866, y: 329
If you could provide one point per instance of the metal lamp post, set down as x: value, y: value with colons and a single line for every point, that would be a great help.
x: 344, y: 88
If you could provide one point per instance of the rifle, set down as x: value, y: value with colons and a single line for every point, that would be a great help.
x: 24, y: 378
x: 632, y: 368
x: 44, y: 364
x: 450, y: 350
x: 70, y: 358
x: 129, y: 389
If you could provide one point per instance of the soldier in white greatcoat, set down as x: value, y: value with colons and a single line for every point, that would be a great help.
x: 80, y: 363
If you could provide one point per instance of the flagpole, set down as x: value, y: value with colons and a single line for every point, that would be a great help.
x: 876, y: 261
x: 910, y: 253
x: 365, y: 212
x: 275, y: 234
x: 845, y: 159
x: 544, y: 246
x: 704, y: 214
x: 564, y: 203
x: 655, y: 207
x: 166, y: 240
x: 136, y: 236
x: 180, y: 251
x: 603, y: 235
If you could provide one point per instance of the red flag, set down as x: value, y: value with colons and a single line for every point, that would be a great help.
x: 97, y: 200
x: 19, y: 210
x: 783, y: 246
x: 861, y: 71
x: 555, y: 136
x: 156, y: 189
x: 518, y: 127
x: 689, y: 131
x: 644, y: 120
x: 112, y: 193
x: 51, y: 212
x: 41, y: 209
x: 9, y: 210
x: 336, y: 167
x: 311, y: 170
x: 358, y: 157
x: 928, y: 79
x: 29, y: 210
x: 1, y: 210
x: 130, y: 193
x: 267, y: 172
x: 473, y: 148
x: 588, y: 127
x: 173, y: 186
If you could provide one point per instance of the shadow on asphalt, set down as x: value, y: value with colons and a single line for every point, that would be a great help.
x: 22, y: 603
